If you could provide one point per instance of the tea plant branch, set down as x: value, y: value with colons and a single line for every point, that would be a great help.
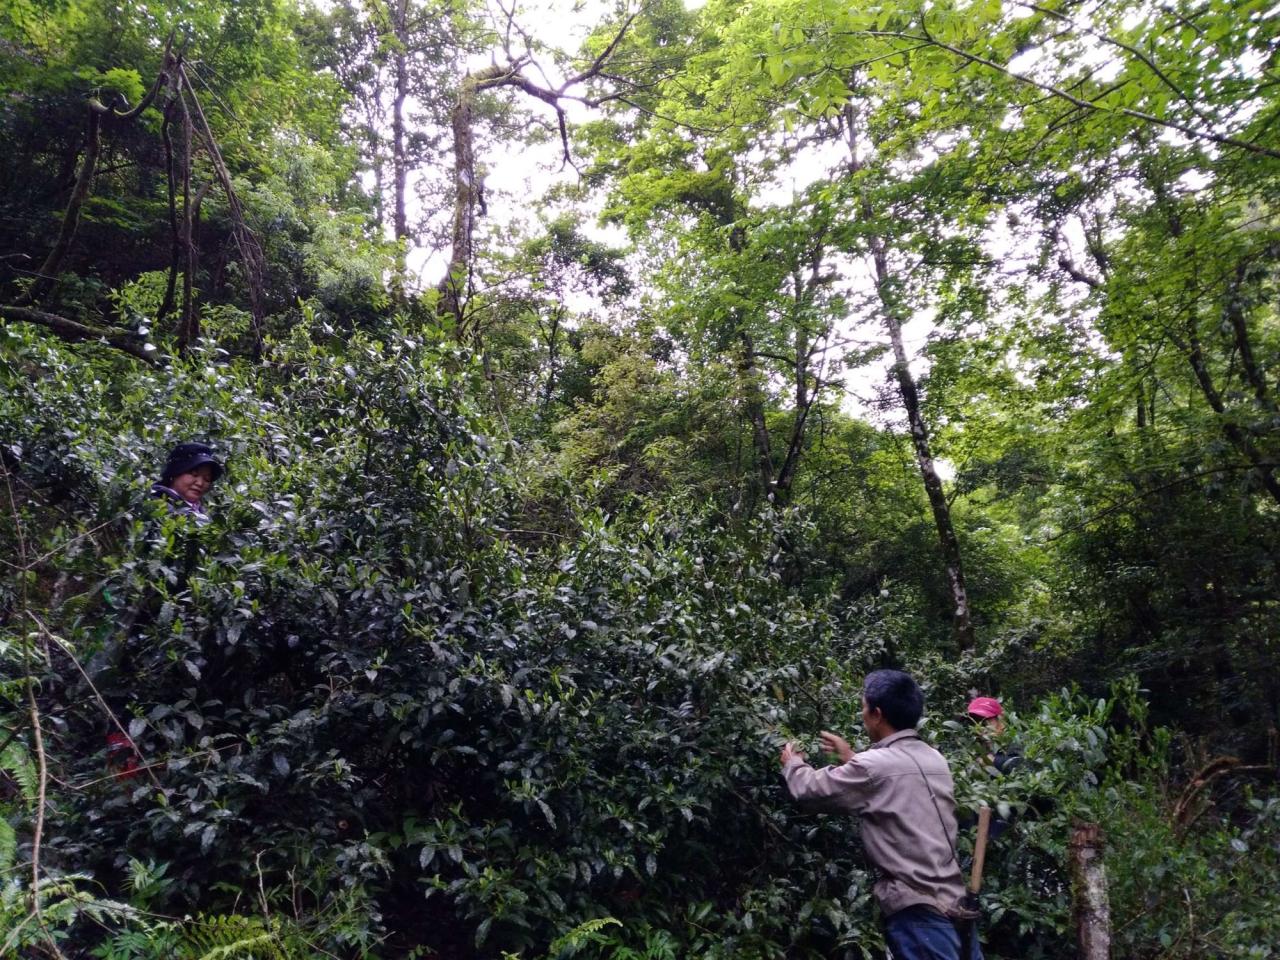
x: 760, y: 813
x: 42, y: 782
x: 1186, y: 812
x: 65, y: 647
x: 208, y: 754
x: 62, y: 546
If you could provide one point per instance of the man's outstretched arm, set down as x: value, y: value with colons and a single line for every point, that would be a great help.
x: 841, y: 788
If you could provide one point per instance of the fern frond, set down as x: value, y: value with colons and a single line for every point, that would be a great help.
x: 234, y: 949
x: 586, y: 932
x: 8, y: 847
x: 16, y: 761
x: 232, y: 935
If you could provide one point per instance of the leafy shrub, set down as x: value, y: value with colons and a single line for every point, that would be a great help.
x: 379, y: 712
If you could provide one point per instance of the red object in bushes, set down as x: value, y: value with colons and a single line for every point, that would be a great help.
x: 122, y: 757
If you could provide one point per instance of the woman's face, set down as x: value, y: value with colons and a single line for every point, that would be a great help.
x: 192, y: 486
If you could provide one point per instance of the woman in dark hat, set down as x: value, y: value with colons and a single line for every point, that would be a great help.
x: 188, y: 474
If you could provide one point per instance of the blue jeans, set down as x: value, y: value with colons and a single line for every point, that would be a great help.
x: 918, y: 933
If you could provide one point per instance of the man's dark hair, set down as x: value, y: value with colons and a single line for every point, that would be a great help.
x: 896, y: 695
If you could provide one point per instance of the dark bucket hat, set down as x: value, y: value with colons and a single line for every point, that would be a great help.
x: 185, y: 457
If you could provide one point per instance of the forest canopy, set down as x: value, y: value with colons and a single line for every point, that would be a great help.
x: 597, y: 392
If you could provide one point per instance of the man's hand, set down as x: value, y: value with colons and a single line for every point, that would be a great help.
x: 790, y: 752
x: 832, y: 743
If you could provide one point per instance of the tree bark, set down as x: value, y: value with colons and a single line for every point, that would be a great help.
x: 552, y: 333
x: 466, y: 193
x: 189, y: 323
x: 1092, y: 907
x: 961, y: 618
x: 753, y: 396
x: 175, y: 231
x: 950, y: 544
x: 74, y: 332
x: 47, y: 275
x: 1237, y: 437
x: 399, y: 150
x: 808, y: 384
x: 1233, y: 311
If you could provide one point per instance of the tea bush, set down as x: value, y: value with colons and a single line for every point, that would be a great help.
x: 384, y: 708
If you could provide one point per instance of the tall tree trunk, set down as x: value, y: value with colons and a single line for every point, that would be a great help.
x: 251, y: 256
x: 399, y: 150
x: 175, y: 231
x: 1235, y: 435
x: 466, y: 194
x: 47, y: 275
x: 753, y: 396
x: 949, y: 543
x: 553, y: 357
x: 808, y: 384
x: 189, y: 324
x: 1234, y: 314
x: 1092, y: 904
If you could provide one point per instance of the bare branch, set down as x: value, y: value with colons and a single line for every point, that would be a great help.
x: 1077, y: 274
x: 74, y: 332
x: 598, y: 63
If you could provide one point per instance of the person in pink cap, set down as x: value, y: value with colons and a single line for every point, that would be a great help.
x: 988, y: 715
x: 988, y: 719
x: 987, y: 710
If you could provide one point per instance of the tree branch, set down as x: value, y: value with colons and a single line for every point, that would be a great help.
x: 1105, y: 38
x: 1075, y: 273
x: 75, y: 332
x: 1190, y: 131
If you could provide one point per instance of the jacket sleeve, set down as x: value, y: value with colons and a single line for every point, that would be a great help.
x: 844, y: 788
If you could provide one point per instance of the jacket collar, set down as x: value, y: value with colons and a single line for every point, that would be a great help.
x: 908, y: 734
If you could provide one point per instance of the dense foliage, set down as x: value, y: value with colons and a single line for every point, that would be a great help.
x: 937, y: 336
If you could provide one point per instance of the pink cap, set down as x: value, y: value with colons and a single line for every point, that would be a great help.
x: 985, y: 707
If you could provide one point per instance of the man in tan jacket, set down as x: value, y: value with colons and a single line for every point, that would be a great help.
x: 902, y: 789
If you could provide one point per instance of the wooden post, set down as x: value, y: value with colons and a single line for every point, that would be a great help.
x: 1092, y: 908
x: 980, y: 849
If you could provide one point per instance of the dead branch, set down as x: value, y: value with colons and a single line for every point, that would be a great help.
x: 453, y: 288
x: 250, y: 250
x: 1188, y: 810
x: 74, y: 332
